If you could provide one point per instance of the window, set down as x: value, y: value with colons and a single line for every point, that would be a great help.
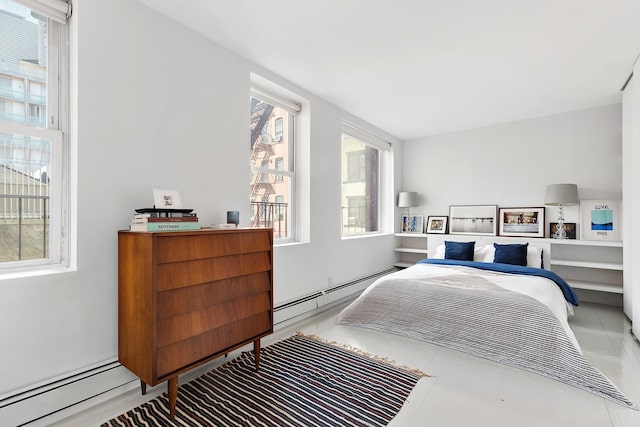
x: 362, y: 159
x: 272, y: 165
x: 278, y: 127
x: 33, y: 100
x: 356, y: 166
x: 279, y: 167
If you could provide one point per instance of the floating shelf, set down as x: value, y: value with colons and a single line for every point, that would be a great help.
x: 587, y: 264
x: 592, y: 286
x: 411, y: 250
x: 403, y: 264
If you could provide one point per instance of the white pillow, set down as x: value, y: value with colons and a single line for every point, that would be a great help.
x: 439, y: 252
x: 534, y: 257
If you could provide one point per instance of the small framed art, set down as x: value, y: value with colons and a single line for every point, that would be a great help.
x: 473, y: 219
x: 166, y: 199
x: 522, y: 222
x: 437, y: 224
x: 569, y: 228
x: 412, y: 223
x: 601, y: 219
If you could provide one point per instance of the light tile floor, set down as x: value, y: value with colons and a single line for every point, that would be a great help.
x: 465, y: 390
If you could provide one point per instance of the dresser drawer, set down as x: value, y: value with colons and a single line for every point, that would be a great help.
x: 211, y: 244
x: 194, y: 298
x: 198, y: 322
x: 180, y: 355
x: 196, y: 272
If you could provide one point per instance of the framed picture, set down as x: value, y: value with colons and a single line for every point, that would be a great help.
x: 601, y: 219
x: 412, y: 223
x: 473, y: 219
x: 569, y: 228
x: 522, y: 222
x: 437, y: 224
x: 166, y: 199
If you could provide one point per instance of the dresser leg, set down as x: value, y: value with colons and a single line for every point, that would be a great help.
x: 256, y: 353
x: 143, y: 387
x: 172, y: 387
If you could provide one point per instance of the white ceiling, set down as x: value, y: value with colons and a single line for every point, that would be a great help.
x: 422, y: 67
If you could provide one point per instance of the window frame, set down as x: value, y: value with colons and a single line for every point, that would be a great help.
x: 56, y: 131
x: 384, y: 174
x: 289, y: 169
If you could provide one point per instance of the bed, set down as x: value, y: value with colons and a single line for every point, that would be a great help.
x: 511, y: 313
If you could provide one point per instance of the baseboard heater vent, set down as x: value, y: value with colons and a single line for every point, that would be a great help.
x: 29, y: 405
x: 297, y: 302
x: 360, y: 280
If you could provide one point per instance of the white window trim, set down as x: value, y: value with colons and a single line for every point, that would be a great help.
x: 385, y: 174
x: 290, y: 171
x: 56, y: 131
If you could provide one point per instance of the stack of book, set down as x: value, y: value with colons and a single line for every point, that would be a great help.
x: 150, y: 219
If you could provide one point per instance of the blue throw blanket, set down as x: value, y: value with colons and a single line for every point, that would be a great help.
x: 568, y: 293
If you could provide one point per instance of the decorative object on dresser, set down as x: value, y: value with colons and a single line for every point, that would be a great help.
x: 185, y: 298
x: 601, y: 219
x: 164, y: 219
x: 561, y: 195
x: 233, y: 217
x: 522, y: 222
x: 437, y: 224
x: 473, y: 219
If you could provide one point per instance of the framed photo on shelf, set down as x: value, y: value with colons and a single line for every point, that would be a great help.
x: 437, y: 224
x: 473, y: 219
x: 412, y: 223
x: 522, y: 222
x: 569, y: 228
x: 601, y: 219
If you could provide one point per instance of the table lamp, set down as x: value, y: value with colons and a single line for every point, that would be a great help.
x: 407, y: 199
x: 561, y: 195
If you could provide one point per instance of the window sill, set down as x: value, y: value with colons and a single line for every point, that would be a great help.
x: 287, y: 244
x: 25, y: 272
x: 366, y: 236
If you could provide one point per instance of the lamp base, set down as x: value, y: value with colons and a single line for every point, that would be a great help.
x: 561, y: 232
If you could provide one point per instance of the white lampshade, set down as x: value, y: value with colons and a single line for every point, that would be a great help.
x: 561, y: 195
x: 407, y: 199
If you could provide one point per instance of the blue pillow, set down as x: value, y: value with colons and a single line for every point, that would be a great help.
x: 461, y: 251
x: 511, y: 254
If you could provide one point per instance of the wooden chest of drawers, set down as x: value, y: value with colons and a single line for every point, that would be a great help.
x: 185, y: 298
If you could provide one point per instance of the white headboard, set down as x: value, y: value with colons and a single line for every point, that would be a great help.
x: 435, y: 240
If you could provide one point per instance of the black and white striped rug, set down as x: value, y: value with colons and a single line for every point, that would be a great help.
x: 302, y: 382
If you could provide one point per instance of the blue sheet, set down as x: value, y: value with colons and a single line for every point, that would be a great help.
x: 568, y: 293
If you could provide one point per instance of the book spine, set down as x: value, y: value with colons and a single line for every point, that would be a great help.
x: 166, y: 226
x: 165, y: 215
x: 137, y: 220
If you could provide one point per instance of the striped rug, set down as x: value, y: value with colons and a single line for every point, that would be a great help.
x: 302, y: 382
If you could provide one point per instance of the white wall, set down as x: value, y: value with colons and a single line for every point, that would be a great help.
x: 159, y: 106
x: 510, y: 165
